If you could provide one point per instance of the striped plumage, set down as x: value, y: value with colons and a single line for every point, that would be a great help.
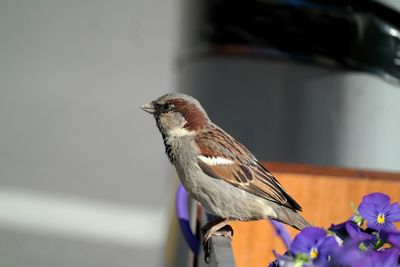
x: 244, y: 170
x: 216, y: 169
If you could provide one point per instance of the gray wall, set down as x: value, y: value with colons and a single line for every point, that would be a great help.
x: 82, y: 171
x: 300, y: 113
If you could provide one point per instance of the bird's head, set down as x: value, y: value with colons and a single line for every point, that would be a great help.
x: 177, y: 115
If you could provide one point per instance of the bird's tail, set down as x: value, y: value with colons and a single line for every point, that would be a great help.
x: 291, y: 217
x: 299, y: 222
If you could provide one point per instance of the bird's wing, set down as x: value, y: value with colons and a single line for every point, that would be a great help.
x: 222, y: 157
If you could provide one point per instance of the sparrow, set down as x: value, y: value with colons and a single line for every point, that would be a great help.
x: 217, y: 170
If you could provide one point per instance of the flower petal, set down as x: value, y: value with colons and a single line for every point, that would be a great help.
x: 300, y: 245
x: 377, y: 198
x: 374, y: 225
x: 327, y: 247
x: 306, y: 239
x: 368, y: 211
x: 388, y: 226
x: 392, y: 212
x: 386, y: 258
x: 340, y: 230
x: 349, y: 255
x: 394, y: 239
x: 356, y: 234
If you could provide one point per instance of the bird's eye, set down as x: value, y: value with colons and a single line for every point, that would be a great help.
x: 165, y: 107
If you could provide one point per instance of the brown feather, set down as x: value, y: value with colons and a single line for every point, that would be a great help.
x: 245, y: 172
x: 194, y: 117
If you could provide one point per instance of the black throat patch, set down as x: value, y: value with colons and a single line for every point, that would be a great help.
x: 168, y: 146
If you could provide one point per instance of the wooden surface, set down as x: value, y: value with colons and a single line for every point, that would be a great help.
x: 324, y: 193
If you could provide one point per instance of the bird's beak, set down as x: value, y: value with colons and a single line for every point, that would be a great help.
x: 149, y: 107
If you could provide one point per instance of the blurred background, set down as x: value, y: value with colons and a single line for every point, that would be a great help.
x: 83, y: 176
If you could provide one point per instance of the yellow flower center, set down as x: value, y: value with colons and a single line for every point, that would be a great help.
x: 380, y: 219
x: 314, y: 253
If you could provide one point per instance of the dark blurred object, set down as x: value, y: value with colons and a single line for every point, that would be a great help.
x: 299, y: 82
x: 357, y: 35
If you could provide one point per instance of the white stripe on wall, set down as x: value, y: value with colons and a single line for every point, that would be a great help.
x: 83, y: 219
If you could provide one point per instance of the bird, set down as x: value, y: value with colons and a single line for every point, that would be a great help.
x: 217, y: 170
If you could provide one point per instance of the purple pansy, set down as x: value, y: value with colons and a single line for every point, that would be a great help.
x: 356, y: 235
x: 314, y: 243
x: 392, y: 237
x: 340, y: 230
x: 378, y: 211
x: 349, y: 230
x: 352, y: 244
x: 349, y: 255
x: 353, y: 256
x: 385, y: 258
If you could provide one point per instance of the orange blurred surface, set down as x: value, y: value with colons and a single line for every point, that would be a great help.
x: 324, y: 193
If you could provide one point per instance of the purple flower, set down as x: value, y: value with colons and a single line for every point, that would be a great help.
x: 353, y: 256
x: 378, y: 211
x: 350, y: 230
x: 348, y: 255
x: 313, y: 243
x: 357, y: 235
x: 281, y: 231
x: 393, y: 237
x: 340, y: 230
x: 385, y: 258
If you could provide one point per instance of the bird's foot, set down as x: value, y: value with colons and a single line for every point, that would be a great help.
x: 218, y: 227
x: 225, y: 231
